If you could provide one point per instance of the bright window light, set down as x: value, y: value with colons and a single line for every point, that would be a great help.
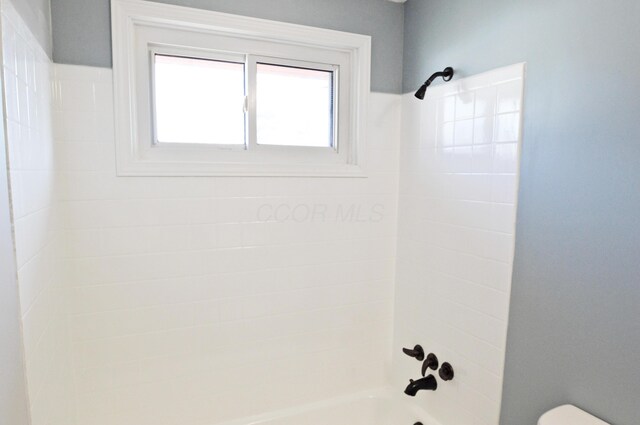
x: 199, y: 101
x: 295, y: 106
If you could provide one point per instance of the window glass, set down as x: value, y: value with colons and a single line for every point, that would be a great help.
x: 294, y: 106
x: 199, y: 101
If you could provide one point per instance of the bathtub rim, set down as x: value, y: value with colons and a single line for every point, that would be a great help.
x: 387, y: 393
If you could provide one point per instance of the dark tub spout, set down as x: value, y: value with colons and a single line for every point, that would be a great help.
x: 428, y: 383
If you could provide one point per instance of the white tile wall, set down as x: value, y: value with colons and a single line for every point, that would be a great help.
x: 27, y: 74
x: 458, y: 187
x: 201, y: 299
x: 193, y: 300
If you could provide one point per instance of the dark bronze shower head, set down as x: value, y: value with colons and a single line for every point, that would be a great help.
x: 446, y: 74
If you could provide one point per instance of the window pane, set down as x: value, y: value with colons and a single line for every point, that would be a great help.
x: 199, y: 101
x: 294, y: 106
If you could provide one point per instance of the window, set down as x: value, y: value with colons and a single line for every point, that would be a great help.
x: 295, y: 106
x: 205, y: 93
x: 204, y: 101
x: 198, y: 101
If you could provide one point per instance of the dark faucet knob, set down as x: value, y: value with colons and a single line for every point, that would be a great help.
x: 430, y: 363
x: 417, y: 352
x: 446, y: 372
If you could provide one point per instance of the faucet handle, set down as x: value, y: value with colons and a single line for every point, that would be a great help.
x: 430, y: 363
x: 446, y: 372
x: 417, y: 352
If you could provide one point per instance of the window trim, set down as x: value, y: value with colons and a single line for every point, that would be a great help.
x: 135, y: 26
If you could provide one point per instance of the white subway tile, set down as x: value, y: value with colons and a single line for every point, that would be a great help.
x: 465, y: 102
x: 507, y: 128
x: 509, y: 96
x: 485, y: 105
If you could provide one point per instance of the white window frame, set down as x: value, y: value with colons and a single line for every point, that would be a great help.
x: 142, y: 29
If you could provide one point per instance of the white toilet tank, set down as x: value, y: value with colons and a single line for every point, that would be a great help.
x: 569, y: 415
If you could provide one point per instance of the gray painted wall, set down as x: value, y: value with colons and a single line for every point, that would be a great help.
x: 82, y: 29
x: 13, y: 394
x: 574, y: 333
x: 37, y: 15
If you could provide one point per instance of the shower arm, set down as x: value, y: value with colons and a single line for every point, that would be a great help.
x: 446, y: 75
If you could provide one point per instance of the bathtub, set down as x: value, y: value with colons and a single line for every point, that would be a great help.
x: 379, y: 407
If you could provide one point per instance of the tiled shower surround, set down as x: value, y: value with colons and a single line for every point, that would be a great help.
x: 162, y: 301
x: 32, y: 172
x: 456, y: 235
x: 195, y: 300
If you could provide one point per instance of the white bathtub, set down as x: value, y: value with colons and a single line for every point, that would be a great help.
x: 379, y: 407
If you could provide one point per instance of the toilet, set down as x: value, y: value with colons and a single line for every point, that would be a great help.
x: 569, y: 415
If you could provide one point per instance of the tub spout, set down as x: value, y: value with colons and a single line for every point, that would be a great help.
x: 427, y: 383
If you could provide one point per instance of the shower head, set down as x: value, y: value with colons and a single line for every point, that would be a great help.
x: 422, y: 90
x: 446, y: 74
